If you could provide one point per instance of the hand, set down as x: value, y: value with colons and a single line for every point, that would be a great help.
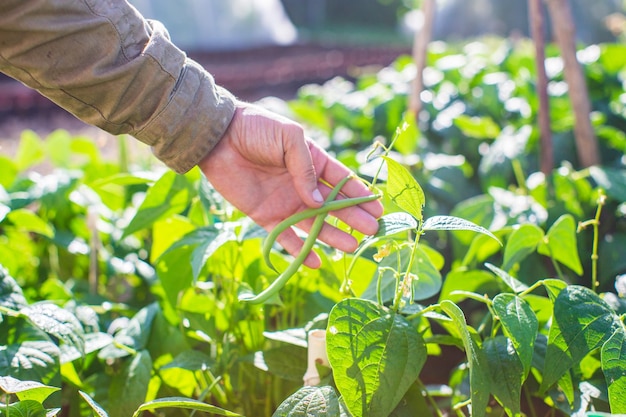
x: 268, y: 169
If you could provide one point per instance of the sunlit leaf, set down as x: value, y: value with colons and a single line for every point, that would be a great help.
x: 477, y: 127
x: 26, y: 390
x: 169, y: 195
x: 509, y: 280
x: 455, y: 223
x: 30, y: 151
x: 560, y: 243
x: 312, y: 402
x: 36, y: 360
x: 522, y: 242
x: 11, y: 295
x: 183, y: 403
x: 28, y: 221
x: 28, y: 408
x: 404, y: 190
x: 93, y: 405
x: 57, y: 322
x: 375, y: 354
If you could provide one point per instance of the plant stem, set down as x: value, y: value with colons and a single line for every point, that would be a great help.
x: 430, y: 398
x: 595, y: 223
x: 406, y: 283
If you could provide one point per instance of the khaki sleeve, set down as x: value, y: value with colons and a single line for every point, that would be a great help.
x: 110, y: 67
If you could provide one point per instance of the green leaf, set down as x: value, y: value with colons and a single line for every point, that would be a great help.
x: 522, y: 242
x: 28, y: 408
x: 404, y: 190
x: 375, y: 354
x: 57, y: 322
x: 30, y: 151
x: 93, y: 405
x: 477, y: 127
x: 427, y: 284
x: 183, y: 403
x: 476, y: 281
x: 582, y: 322
x: 613, y: 356
x: 129, y: 387
x: 455, y: 223
x: 393, y: 223
x: 506, y: 372
x: 520, y: 324
x: 560, y: 243
x: 26, y: 390
x: 8, y: 171
x: 512, y: 282
x: 28, y: 221
x: 312, y: 402
x: 287, y: 362
x: 191, y: 360
x: 169, y: 195
x: 134, y: 334
x: 480, y: 384
x: 612, y: 180
x: 407, y: 135
x: 11, y: 295
x: 36, y: 360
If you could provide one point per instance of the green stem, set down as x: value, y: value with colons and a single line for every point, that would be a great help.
x: 595, y: 223
x: 406, y: 284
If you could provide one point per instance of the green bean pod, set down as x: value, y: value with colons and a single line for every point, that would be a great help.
x: 294, y: 219
x: 309, y: 242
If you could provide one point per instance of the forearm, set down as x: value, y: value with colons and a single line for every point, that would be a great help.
x: 104, y: 63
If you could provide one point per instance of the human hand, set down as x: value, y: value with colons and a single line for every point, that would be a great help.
x: 268, y: 169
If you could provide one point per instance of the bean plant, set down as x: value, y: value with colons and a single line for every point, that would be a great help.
x: 489, y: 289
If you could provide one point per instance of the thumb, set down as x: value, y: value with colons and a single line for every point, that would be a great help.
x: 299, y: 164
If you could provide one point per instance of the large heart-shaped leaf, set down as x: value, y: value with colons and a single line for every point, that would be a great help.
x: 582, y: 322
x: 312, y: 402
x: 375, y: 354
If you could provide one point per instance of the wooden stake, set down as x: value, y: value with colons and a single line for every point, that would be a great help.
x: 420, y: 53
x: 545, y: 132
x: 564, y: 32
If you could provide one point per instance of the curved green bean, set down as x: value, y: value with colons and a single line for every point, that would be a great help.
x: 290, y: 221
x: 309, y: 242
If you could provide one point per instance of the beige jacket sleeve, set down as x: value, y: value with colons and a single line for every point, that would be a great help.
x: 106, y: 64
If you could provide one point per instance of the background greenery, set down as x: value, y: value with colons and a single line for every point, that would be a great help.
x: 120, y: 283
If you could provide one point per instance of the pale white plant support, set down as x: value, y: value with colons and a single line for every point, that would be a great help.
x: 316, y: 355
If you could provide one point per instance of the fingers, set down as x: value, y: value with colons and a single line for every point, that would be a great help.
x: 332, y: 171
x: 299, y: 163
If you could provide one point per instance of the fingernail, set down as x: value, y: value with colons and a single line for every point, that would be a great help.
x: 317, y: 196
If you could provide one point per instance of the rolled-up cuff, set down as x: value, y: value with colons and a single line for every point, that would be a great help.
x: 192, y: 122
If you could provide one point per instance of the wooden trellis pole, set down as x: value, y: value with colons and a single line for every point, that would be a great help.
x: 537, y: 32
x: 420, y: 53
x: 565, y: 35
